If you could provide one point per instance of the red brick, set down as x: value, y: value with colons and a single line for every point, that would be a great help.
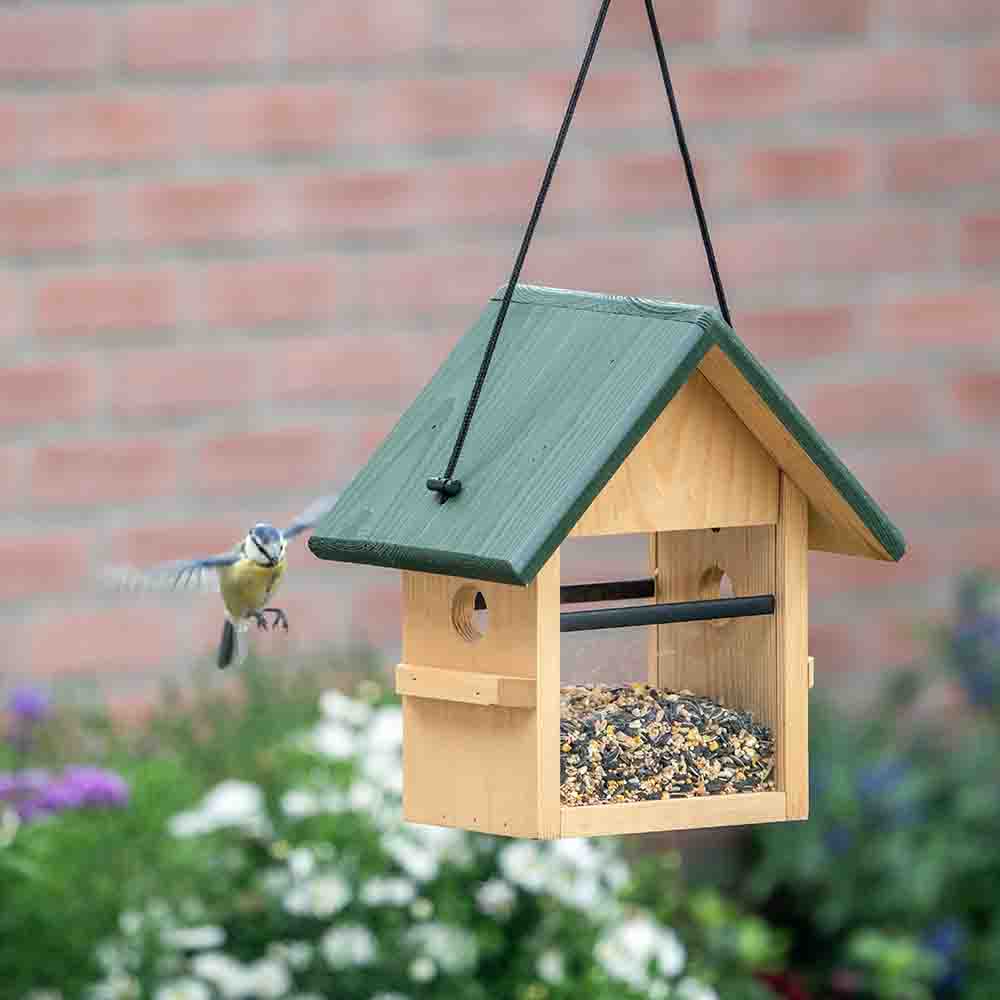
x: 934, y: 481
x: 791, y: 333
x: 978, y: 395
x: 178, y: 382
x: 969, y: 316
x: 33, y: 566
x: 474, y: 26
x: 273, y: 118
x: 612, y: 99
x: 376, y: 615
x: 356, y: 31
x: 941, y: 162
x: 11, y: 476
x: 170, y: 38
x: 40, y: 392
x: 359, y: 367
x: 739, y: 93
x: 984, y: 83
x: 163, y: 541
x: 874, y: 245
x: 267, y: 292
x: 201, y: 212
x: 268, y: 460
x: 797, y: 173
x: 877, y: 408
x: 47, y: 219
x: 89, y: 303
x: 863, y: 81
x: 749, y: 252
x: 129, y: 636
x: 108, y: 128
x: 51, y: 43
x: 12, y: 128
x: 88, y: 473
x: 849, y: 576
x: 627, y: 25
x: 637, y: 184
x: 11, y: 319
x: 981, y: 241
x: 947, y: 15
x: 780, y: 18
x: 338, y: 202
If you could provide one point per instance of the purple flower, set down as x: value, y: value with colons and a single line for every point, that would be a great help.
x: 29, y: 705
x: 36, y: 793
x: 97, y: 787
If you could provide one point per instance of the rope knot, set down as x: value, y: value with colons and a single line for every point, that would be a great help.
x: 444, y: 488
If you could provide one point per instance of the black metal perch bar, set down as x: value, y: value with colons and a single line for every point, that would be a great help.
x: 662, y: 614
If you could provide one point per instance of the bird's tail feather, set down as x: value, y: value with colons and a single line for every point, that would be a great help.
x: 233, y: 647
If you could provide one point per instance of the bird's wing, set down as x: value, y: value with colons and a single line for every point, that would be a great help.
x: 310, y: 515
x: 185, y: 574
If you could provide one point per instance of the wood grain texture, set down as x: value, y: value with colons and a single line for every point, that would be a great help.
x: 697, y: 467
x: 484, y: 767
x: 674, y: 814
x: 833, y: 493
x: 733, y: 661
x: 465, y: 686
x: 576, y: 382
x: 792, y: 617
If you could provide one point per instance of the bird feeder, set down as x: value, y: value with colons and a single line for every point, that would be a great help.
x: 604, y: 416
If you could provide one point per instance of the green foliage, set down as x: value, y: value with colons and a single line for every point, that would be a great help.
x: 891, y: 884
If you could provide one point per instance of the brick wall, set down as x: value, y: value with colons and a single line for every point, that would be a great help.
x: 237, y: 237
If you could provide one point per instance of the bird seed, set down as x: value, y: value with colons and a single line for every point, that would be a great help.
x: 635, y: 743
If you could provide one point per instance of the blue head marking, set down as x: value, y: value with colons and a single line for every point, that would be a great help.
x: 266, y: 533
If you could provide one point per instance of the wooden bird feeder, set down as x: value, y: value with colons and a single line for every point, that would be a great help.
x: 604, y: 416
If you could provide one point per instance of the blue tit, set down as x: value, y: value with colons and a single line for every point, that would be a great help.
x: 247, y: 577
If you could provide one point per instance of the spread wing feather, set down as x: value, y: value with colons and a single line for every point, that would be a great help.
x: 309, y: 517
x: 185, y: 574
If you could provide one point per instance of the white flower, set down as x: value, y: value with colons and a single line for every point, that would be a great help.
x: 693, y: 989
x: 385, y: 731
x: 523, y: 863
x: 363, y: 796
x: 227, y: 975
x: 421, y: 909
x: 301, y: 862
x: 388, y: 892
x: 383, y: 770
x: 183, y: 989
x: 390, y: 996
x: 627, y: 950
x: 496, y: 897
x: 322, y: 896
x: 194, y: 938
x: 453, y: 949
x: 334, y: 740
x: 422, y: 969
x: 116, y: 987
x: 300, y: 803
x: 348, y: 945
x: 130, y: 922
x: 296, y: 954
x: 551, y: 966
x: 230, y: 804
x: 267, y: 979
x: 339, y: 708
x: 658, y: 989
x: 418, y: 861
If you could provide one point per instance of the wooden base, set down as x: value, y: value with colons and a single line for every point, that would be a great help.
x: 674, y: 814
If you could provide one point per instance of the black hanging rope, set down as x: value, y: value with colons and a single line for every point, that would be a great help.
x: 446, y: 486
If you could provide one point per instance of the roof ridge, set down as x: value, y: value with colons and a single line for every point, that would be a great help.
x: 601, y: 302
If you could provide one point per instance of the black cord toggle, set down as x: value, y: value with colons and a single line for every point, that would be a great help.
x: 444, y: 488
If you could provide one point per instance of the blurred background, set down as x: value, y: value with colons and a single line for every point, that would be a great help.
x: 237, y: 238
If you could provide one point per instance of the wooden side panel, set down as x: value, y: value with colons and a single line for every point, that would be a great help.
x: 792, y: 613
x: 698, y: 466
x: 482, y: 767
x: 675, y: 814
x: 734, y: 661
x: 835, y: 526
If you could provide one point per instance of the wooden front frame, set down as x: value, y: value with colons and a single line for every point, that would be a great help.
x: 481, y: 717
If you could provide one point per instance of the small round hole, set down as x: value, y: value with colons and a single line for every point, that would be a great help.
x: 716, y: 583
x: 469, y: 614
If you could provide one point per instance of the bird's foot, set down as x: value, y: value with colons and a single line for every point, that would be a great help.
x: 280, y: 618
x: 259, y: 618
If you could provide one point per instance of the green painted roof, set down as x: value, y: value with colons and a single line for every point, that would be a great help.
x: 577, y: 379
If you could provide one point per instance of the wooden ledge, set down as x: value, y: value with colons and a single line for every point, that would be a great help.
x: 465, y: 686
x: 673, y: 814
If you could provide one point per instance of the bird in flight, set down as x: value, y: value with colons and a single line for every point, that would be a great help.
x: 247, y: 577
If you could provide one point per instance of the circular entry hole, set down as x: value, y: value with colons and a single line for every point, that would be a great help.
x: 716, y: 583
x: 470, y: 614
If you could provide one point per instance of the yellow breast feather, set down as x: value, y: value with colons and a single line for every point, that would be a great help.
x: 247, y: 586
